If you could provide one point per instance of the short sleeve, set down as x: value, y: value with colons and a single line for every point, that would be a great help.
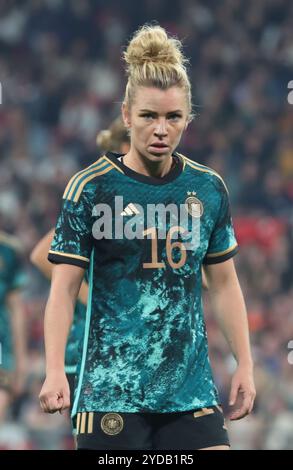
x: 222, y: 244
x: 72, y: 243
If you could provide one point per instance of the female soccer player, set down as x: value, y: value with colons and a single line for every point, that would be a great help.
x: 143, y: 224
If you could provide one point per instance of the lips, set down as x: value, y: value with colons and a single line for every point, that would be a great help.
x: 159, y: 145
x: 157, y: 149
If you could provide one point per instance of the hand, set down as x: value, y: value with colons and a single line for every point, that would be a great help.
x: 243, y: 385
x: 55, y: 394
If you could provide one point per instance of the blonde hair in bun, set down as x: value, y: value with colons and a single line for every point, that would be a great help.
x: 155, y: 59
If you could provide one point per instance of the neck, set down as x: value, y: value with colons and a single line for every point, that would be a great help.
x: 141, y: 164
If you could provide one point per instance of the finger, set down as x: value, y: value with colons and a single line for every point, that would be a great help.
x: 252, y: 402
x: 44, y: 405
x: 244, y: 409
x: 249, y: 400
x: 43, y: 408
x: 53, y: 404
x: 42, y: 402
x: 238, y: 414
x: 251, y: 407
x: 63, y: 403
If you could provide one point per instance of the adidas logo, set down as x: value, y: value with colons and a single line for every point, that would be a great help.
x: 130, y: 210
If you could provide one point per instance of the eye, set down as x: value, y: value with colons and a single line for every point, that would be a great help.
x: 174, y: 117
x: 147, y: 116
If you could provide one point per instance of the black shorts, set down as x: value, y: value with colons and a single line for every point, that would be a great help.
x: 188, y: 430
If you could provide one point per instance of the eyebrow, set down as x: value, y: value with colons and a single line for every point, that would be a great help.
x: 169, y: 112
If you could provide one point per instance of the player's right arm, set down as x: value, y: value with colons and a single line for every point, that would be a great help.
x: 71, y: 252
x: 65, y: 285
x: 39, y: 258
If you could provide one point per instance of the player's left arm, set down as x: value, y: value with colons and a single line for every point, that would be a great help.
x: 229, y: 307
x: 16, y: 309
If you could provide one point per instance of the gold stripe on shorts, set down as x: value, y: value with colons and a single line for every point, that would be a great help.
x: 90, y: 423
x: 83, y: 423
x: 203, y: 412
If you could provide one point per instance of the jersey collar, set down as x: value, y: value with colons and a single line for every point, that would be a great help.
x: 171, y: 176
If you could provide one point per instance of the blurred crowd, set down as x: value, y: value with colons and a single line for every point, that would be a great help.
x: 62, y: 81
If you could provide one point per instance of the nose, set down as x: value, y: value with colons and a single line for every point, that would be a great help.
x: 161, y: 128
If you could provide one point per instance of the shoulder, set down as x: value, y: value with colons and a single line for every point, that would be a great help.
x: 207, y: 173
x: 80, y: 180
x: 10, y: 243
x: 10, y: 247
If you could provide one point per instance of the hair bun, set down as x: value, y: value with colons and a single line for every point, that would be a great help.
x: 151, y: 44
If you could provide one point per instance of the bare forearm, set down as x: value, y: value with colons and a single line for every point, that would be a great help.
x: 66, y: 281
x: 58, y: 320
x: 229, y: 307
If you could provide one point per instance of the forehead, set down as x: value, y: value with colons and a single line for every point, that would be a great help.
x: 152, y: 98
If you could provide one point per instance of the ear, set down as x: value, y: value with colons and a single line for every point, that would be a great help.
x: 126, y: 115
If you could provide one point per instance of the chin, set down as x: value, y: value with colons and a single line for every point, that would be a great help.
x: 157, y: 157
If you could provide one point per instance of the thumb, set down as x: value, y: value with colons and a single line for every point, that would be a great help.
x: 233, y: 393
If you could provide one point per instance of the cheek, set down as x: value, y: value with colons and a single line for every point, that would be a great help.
x: 177, y: 132
x: 142, y: 132
x: 138, y: 135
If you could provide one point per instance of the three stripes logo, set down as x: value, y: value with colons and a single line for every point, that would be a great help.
x: 130, y: 210
x: 85, y: 423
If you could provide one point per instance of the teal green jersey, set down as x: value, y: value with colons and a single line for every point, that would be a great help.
x: 11, y: 278
x: 73, y: 350
x: 144, y: 241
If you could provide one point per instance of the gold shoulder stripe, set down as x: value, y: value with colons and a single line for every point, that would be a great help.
x: 89, y: 178
x: 115, y: 166
x: 74, y: 181
x: 220, y: 253
x: 181, y: 157
x: 68, y: 255
x: 184, y: 163
x: 205, y: 169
